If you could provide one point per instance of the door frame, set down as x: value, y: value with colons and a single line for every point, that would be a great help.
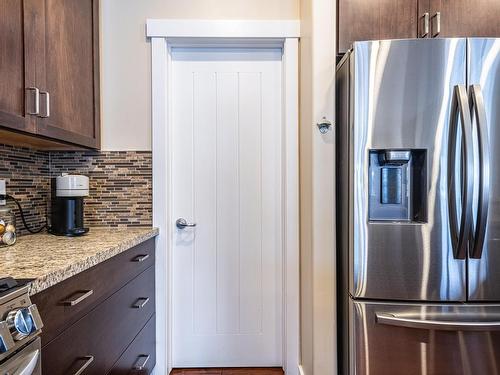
x: 168, y: 33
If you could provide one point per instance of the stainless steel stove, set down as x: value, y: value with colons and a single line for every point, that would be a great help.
x: 20, y: 328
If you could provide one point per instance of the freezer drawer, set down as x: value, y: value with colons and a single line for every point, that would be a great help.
x: 431, y: 339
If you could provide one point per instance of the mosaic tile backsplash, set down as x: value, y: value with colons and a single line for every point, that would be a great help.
x: 120, y: 184
x: 27, y: 176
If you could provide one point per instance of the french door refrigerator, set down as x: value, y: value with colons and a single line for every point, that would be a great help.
x: 418, y: 199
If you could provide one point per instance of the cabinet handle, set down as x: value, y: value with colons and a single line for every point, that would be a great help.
x: 425, y: 31
x: 141, y: 362
x: 140, y: 258
x: 73, y: 302
x: 88, y: 360
x: 140, y: 305
x: 436, y: 27
x: 37, y: 100
x: 47, y: 104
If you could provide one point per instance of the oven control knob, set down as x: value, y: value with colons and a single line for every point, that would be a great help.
x: 20, y: 323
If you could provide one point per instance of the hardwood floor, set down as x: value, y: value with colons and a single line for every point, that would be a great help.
x: 229, y: 371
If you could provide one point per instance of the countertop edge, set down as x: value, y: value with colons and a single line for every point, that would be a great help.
x: 46, y: 281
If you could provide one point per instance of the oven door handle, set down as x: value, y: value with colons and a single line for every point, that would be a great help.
x: 28, y: 363
x: 449, y: 324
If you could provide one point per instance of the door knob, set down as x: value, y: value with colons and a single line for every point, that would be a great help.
x: 181, y: 223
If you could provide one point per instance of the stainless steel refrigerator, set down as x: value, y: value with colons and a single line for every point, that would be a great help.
x: 418, y: 197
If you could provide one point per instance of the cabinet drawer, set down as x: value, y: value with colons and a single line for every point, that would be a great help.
x: 65, y: 303
x: 98, y: 339
x: 139, y: 358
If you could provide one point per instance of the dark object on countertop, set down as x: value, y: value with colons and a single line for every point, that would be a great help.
x: 67, y: 214
x: 70, y: 232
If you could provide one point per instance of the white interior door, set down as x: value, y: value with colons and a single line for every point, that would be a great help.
x: 227, y: 177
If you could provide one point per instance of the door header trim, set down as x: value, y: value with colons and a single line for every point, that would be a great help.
x: 174, y: 28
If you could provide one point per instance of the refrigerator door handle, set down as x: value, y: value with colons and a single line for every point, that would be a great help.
x: 478, y: 112
x: 451, y: 323
x: 460, y: 233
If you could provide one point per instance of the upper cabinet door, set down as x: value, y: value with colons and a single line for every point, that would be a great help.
x: 465, y: 18
x: 375, y: 19
x: 17, y: 73
x: 69, y: 72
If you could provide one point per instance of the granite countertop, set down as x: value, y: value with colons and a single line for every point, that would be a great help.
x: 49, y: 259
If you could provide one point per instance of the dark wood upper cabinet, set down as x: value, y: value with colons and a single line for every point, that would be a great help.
x: 465, y: 18
x: 401, y: 19
x: 70, y: 76
x: 50, y: 46
x: 375, y: 19
x: 17, y: 72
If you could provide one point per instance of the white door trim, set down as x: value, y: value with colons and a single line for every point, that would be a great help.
x: 161, y: 28
x: 164, y: 34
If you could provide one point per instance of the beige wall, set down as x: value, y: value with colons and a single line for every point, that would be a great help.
x: 125, y: 57
x: 317, y: 48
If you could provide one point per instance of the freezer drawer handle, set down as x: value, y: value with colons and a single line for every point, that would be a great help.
x: 438, y: 325
x: 460, y: 233
x: 478, y: 112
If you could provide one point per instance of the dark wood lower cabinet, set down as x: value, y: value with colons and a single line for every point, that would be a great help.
x: 70, y: 300
x: 99, y: 338
x: 113, y: 335
x: 140, y: 357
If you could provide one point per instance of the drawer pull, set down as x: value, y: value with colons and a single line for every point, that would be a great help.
x: 140, y: 258
x: 73, y: 302
x: 141, y: 362
x: 88, y: 360
x: 139, y: 305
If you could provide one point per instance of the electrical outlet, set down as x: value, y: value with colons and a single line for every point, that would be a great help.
x: 3, y: 191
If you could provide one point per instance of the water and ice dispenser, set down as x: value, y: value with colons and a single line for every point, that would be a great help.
x: 397, y: 185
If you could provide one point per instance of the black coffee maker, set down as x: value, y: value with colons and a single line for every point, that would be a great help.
x: 67, y: 206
